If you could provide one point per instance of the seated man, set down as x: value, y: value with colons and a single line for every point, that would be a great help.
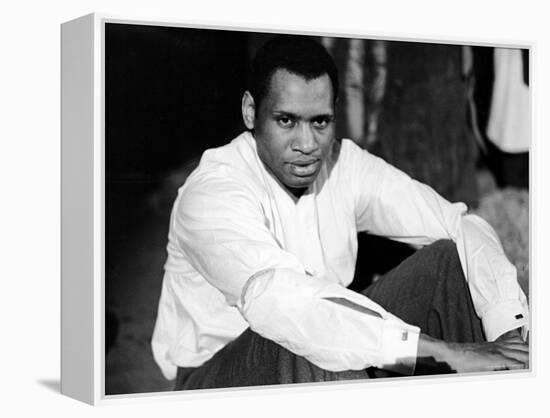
x: 263, y: 243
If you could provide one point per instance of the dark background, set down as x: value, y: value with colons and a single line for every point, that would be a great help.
x: 171, y: 93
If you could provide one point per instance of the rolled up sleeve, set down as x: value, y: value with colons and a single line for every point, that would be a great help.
x: 351, y: 334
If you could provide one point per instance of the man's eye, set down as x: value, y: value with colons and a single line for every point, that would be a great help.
x: 285, y: 122
x: 321, y: 123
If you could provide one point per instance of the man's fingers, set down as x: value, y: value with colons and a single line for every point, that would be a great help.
x: 516, y: 355
x: 516, y: 346
x: 514, y: 340
x: 512, y: 334
x: 508, y: 366
x: 508, y: 363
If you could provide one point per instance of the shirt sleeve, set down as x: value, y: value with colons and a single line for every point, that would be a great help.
x: 389, y: 203
x: 220, y: 226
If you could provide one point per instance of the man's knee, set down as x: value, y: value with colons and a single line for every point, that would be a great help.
x: 443, y: 245
x: 444, y: 249
x: 441, y: 261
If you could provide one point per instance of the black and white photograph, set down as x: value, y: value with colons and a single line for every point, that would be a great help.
x: 287, y: 209
x: 300, y: 208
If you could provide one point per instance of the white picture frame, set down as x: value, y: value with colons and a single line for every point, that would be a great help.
x: 83, y: 203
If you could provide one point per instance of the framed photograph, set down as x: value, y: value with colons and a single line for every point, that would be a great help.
x: 241, y: 208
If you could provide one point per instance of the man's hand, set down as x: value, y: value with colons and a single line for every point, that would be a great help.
x: 508, y: 352
x: 510, y: 334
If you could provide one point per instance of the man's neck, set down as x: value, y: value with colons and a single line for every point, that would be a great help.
x: 297, y: 193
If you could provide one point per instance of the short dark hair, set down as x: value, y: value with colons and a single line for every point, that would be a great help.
x: 296, y: 54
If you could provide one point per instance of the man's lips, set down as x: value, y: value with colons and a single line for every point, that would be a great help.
x: 304, y: 162
x: 304, y: 168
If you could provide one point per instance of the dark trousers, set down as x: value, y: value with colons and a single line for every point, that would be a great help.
x: 428, y: 290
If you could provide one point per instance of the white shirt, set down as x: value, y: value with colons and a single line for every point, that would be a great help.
x: 509, y: 124
x: 243, y: 252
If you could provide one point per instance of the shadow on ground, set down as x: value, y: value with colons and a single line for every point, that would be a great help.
x: 52, y: 384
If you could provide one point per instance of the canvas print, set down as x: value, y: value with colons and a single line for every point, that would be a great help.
x: 298, y: 209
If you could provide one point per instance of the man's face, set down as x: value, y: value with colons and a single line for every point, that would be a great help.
x: 294, y: 128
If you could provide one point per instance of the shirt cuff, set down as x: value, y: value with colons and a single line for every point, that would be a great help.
x: 505, y: 317
x: 399, y: 346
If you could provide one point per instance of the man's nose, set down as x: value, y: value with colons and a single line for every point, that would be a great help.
x: 305, y: 140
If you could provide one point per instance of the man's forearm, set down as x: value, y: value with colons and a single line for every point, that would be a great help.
x: 431, y: 356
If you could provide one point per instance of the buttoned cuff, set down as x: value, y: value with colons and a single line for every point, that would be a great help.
x: 505, y: 317
x: 399, y: 346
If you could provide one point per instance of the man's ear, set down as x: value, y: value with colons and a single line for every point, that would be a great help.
x: 249, y: 110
